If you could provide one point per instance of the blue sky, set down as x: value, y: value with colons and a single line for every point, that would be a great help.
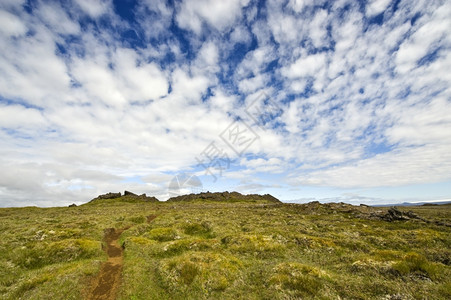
x: 307, y: 100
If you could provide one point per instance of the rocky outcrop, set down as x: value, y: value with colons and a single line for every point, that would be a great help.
x: 225, y: 197
x: 394, y: 214
x: 128, y: 196
x: 142, y: 197
x: 108, y: 196
x: 127, y: 193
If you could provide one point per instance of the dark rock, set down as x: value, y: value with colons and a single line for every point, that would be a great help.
x: 412, y: 215
x: 73, y: 205
x: 224, y: 196
x: 127, y: 197
x: 394, y: 214
x: 109, y: 196
x: 127, y: 193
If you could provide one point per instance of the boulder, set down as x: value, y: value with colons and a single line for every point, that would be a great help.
x: 395, y: 214
x: 127, y: 193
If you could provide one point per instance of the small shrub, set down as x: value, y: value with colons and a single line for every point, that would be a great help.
x: 163, y: 234
x: 180, y: 246
x: 62, y: 251
x: 203, y: 271
x: 298, y: 278
x: 260, y: 245
x: 138, y: 220
x: 139, y: 240
x: 416, y: 263
x: 203, y: 228
x: 368, y: 265
x: 188, y: 271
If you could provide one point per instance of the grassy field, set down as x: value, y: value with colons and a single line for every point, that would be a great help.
x: 205, y: 249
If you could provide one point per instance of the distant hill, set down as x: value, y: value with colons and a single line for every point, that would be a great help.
x: 225, y: 197
x: 200, y: 197
x: 126, y: 197
x: 416, y: 204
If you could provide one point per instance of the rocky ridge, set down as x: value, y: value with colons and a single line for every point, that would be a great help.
x: 126, y: 196
x: 225, y: 197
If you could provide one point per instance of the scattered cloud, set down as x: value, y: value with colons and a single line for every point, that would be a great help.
x: 98, y: 96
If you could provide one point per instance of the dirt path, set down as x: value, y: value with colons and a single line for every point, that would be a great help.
x: 106, y: 284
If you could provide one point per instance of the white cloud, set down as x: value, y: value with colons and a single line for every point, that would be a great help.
x: 376, y: 7
x: 250, y: 85
x: 262, y: 32
x: 218, y: 14
x: 207, y: 57
x: 429, y: 126
x: 423, y: 39
x: 254, y: 62
x: 138, y: 82
x: 318, y: 29
x: 406, y: 166
x: 285, y: 28
x: 271, y: 165
x: 31, y: 69
x: 188, y: 87
x: 57, y: 19
x: 94, y: 8
x: 298, y: 5
x: 17, y: 116
x: 346, y: 32
x: 99, y: 82
x: 222, y: 102
x: 160, y: 19
x: 305, y: 66
x: 95, y: 114
x: 11, y: 24
x: 12, y: 4
x: 240, y: 35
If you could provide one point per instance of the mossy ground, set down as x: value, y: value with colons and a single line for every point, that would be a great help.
x: 201, y: 250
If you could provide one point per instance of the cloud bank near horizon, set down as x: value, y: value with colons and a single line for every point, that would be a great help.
x: 97, y: 96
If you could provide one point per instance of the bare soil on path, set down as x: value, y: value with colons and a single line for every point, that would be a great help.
x: 106, y: 284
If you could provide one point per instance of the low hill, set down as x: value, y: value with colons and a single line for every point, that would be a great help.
x: 126, y: 197
x: 225, y: 197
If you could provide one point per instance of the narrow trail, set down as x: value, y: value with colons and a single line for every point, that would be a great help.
x: 106, y: 284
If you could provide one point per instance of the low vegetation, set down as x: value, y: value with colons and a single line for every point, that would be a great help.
x: 209, y: 249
